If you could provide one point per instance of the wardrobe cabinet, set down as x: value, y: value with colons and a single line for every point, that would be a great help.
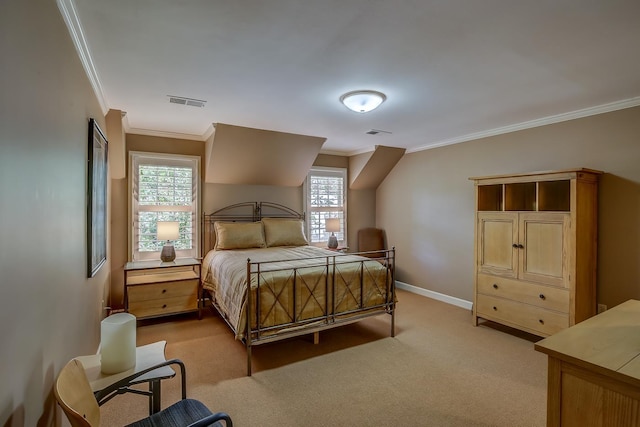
x: 535, y: 249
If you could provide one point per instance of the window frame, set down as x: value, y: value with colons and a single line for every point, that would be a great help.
x: 326, y: 171
x: 163, y: 159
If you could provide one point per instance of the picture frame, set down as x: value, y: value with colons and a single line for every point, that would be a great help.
x: 96, y: 199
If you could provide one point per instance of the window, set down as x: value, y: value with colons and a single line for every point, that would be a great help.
x: 326, y: 197
x: 163, y: 188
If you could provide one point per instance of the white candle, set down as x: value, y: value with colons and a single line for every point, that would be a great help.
x: 118, y: 343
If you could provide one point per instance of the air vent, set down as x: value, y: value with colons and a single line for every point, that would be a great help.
x: 377, y: 131
x: 194, y: 103
x: 186, y: 101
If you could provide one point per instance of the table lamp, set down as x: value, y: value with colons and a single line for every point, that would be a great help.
x: 168, y: 230
x: 332, y: 225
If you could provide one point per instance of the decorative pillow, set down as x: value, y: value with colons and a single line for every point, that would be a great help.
x: 239, y: 235
x: 284, y: 232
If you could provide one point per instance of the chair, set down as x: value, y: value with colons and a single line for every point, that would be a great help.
x: 371, y: 240
x: 74, y: 395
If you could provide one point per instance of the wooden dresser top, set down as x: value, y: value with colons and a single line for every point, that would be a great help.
x: 608, y: 342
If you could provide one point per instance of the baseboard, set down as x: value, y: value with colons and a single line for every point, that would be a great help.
x: 435, y: 295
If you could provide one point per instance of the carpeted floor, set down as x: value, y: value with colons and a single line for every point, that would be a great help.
x: 439, y: 370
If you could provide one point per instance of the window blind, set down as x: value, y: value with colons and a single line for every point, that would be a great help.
x: 326, y: 198
x: 164, y: 188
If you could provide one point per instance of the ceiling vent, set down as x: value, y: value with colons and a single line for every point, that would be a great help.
x: 186, y: 101
x: 377, y: 131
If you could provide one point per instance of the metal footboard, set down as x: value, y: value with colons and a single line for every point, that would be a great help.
x: 325, y: 289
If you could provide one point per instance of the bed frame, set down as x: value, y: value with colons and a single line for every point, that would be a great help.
x: 255, y: 211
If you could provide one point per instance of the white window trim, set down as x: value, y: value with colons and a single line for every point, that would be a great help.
x: 306, y: 197
x: 172, y: 159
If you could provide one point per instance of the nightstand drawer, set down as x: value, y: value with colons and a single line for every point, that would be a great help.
x: 523, y: 316
x: 165, y: 290
x: 161, y: 307
x: 548, y: 297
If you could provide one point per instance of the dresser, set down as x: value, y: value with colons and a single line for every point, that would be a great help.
x: 156, y: 288
x: 535, y: 249
x: 594, y: 370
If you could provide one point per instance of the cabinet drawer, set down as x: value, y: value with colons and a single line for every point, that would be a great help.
x: 548, y: 297
x: 188, y: 288
x: 522, y: 316
x: 164, y: 306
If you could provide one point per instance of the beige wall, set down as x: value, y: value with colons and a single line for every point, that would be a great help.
x: 360, y: 203
x: 120, y: 200
x: 426, y: 204
x: 49, y: 311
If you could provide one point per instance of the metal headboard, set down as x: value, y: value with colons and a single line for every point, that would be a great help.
x: 242, y: 212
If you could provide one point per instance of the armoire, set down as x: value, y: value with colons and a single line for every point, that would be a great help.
x: 536, y: 249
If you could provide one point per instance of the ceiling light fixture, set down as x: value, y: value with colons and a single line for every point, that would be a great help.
x: 363, y: 101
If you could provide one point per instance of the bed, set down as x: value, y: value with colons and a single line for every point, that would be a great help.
x: 296, y: 288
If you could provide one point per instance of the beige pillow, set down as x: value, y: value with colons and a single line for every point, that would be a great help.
x: 284, y: 232
x: 239, y: 235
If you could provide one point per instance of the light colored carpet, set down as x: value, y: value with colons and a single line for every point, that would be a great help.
x: 439, y: 370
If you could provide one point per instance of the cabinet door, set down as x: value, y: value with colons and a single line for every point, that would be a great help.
x: 543, y: 255
x: 497, y: 232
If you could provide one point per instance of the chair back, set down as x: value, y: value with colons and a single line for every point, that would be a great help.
x: 371, y: 239
x: 74, y: 395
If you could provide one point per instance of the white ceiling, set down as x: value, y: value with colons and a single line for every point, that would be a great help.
x: 451, y: 69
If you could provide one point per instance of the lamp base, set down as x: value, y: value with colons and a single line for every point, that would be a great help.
x: 333, y: 242
x: 168, y: 253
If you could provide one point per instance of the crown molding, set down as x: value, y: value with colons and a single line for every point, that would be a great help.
x: 70, y: 16
x: 210, y: 130
x: 163, y: 134
x: 176, y: 135
x: 334, y: 153
x: 586, y: 112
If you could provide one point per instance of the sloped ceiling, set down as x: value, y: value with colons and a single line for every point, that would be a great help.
x: 368, y: 170
x: 241, y: 155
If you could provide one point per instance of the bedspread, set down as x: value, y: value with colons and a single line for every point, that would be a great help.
x: 296, y: 285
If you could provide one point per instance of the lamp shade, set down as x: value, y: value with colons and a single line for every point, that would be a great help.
x: 168, y: 230
x: 332, y: 224
x: 363, y: 101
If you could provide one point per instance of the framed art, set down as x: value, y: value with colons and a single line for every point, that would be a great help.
x: 96, y: 199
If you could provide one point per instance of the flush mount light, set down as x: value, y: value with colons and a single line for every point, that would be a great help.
x: 363, y: 101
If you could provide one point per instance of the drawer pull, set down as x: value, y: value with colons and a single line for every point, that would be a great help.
x: 542, y: 296
x: 495, y: 286
x: 164, y: 305
x: 164, y: 290
x: 515, y: 245
x: 541, y: 321
x: 495, y: 308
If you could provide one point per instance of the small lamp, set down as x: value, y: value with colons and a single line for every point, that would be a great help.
x: 332, y: 225
x: 168, y: 230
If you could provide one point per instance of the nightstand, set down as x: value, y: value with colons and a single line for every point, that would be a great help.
x: 156, y: 288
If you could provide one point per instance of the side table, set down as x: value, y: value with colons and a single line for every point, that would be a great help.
x: 155, y: 288
x: 151, y: 367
